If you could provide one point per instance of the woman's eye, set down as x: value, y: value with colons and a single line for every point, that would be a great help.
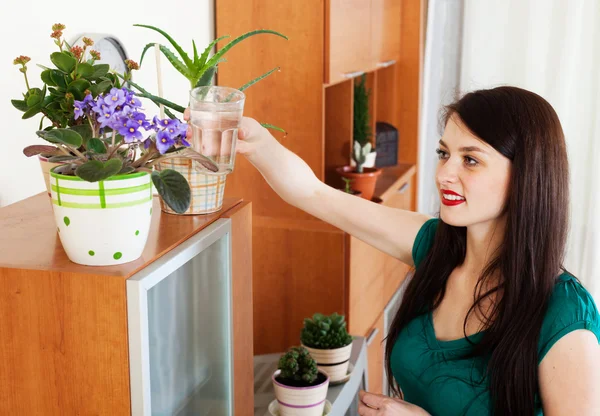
x: 441, y: 154
x: 470, y: 161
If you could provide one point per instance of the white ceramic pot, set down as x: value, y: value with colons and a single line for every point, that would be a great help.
x: 334, y: 362
x: 300, y: 401
x: 102, y: 223
x: 369, y: 161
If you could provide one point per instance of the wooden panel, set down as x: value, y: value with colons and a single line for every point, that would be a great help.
x: 298, y: 270
x: 241, y: 292
x: 338, y: 130
x: 375, y: 356
x: 392, y: 178
x: 409, y: 81
x: 63, y: 347
x: 402, y: 197
x: 292, y: 99
x: 385, y: 30
x: 347, y: 38
x: 29, y: 239
x: 387, y: 100
x: 366, y: 285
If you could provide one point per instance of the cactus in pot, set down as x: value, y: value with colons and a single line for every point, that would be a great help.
x: 300, y: 387
x: 327, y: 340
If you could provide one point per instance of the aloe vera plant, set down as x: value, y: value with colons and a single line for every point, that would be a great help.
x: 199, y: 69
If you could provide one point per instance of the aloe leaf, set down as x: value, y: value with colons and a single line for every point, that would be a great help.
x: 207, y: 77
x: 196, y: 57
x: 169, y: 114
x: 153, y: 98
x: 148, y: 46
x: 184, y: 70
x: 178, y: 48
x: 234, y: 42
x: 201, y: 75
x: 270, y: 126
x: 204, y: 56
x: 255, y: 80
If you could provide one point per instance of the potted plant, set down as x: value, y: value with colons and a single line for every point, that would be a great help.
x: 361, y: 124
x: 364, y: 177
x: 199, y: 70
x: 300, y: 387
x: 327, y: 340
x: 348, y: 187
x: 66, y: 80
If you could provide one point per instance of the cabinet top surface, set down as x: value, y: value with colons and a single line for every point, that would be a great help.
x: 29, y: 238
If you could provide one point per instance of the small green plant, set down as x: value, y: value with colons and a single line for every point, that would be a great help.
x: 297, y: 365
x: 348, y: 188
x: 325, y: 332
x: 361, y: 124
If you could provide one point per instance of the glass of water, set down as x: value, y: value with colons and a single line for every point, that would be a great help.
x: 216, y: 114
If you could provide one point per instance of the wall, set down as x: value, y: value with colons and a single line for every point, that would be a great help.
x: 26, y: 28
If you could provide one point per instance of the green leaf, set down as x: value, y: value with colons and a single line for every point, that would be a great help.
x: 178, y: 48
x: 80, y: 85
x: 63, y: 158
x: 101, y: 87
x: 85, y: 70
x: 20, y: 105
x: 47, y: 78
x: 40, y: 149
x: 85, y: 131
x: 33, y: 100
x: 95, y: 170
x: 237, y: 40
x: 96, y: 145
x: 173, y: 188
x: 58, y: 78
x: 270, y: 126
x: 32, y: 111
x: 64, y: 136
x: 126, y: 169
x: 207, y: 77
x: 177, y: 64
x: 204, y: 56
x: 99, y: 71
x: 255, y: 80
x: 63, y: 61
x: 196, y: 57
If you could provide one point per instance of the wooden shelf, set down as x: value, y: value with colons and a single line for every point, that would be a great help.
x: 30, y: 240
x: 392, y: 178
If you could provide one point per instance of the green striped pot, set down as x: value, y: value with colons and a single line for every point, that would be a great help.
x: 102, y: 223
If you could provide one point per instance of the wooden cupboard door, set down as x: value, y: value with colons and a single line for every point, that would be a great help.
x: 402, y: 198
x: 386, y: 23
x: 347, y: 39
x: 375, y: 356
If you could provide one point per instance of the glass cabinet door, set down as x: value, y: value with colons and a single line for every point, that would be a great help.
x: 185, y: 328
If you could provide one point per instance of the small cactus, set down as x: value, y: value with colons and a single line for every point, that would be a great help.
x: 360, y: 155
x: 325, y: 332
x: 298, y: 365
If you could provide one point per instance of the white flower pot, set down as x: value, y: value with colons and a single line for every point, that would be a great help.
x: 369, y: 161
x: 300, y: 401
x: 102, y: 223
x: 333, y: 362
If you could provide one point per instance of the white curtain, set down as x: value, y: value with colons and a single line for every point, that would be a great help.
x: 551, y: 47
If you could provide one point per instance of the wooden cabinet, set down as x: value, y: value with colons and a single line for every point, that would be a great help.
x: 347, y: 39
x: 386, y: 24
x: 302, y: 265
x: 81, y: 340
x: 375, y: 356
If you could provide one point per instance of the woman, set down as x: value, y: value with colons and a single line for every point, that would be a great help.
x: 491, y: 323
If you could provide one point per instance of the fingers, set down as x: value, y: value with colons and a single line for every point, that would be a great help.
x: 186, y: 114
x: 364, y: 410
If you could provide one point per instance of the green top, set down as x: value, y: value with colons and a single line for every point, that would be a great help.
x: 432, y: 374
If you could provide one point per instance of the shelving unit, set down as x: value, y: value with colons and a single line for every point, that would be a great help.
x: 301, y: 264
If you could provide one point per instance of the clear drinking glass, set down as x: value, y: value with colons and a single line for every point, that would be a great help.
x: 216, y: 114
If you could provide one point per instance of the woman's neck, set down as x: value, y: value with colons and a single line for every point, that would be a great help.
x: 483, y: 241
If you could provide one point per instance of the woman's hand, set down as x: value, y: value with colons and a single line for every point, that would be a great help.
x: 379, y: 405
x: 252, y: 135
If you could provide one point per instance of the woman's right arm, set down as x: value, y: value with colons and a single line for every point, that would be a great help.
x: 390, y: 230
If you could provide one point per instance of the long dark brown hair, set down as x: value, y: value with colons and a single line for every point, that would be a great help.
x: 524, y: 128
